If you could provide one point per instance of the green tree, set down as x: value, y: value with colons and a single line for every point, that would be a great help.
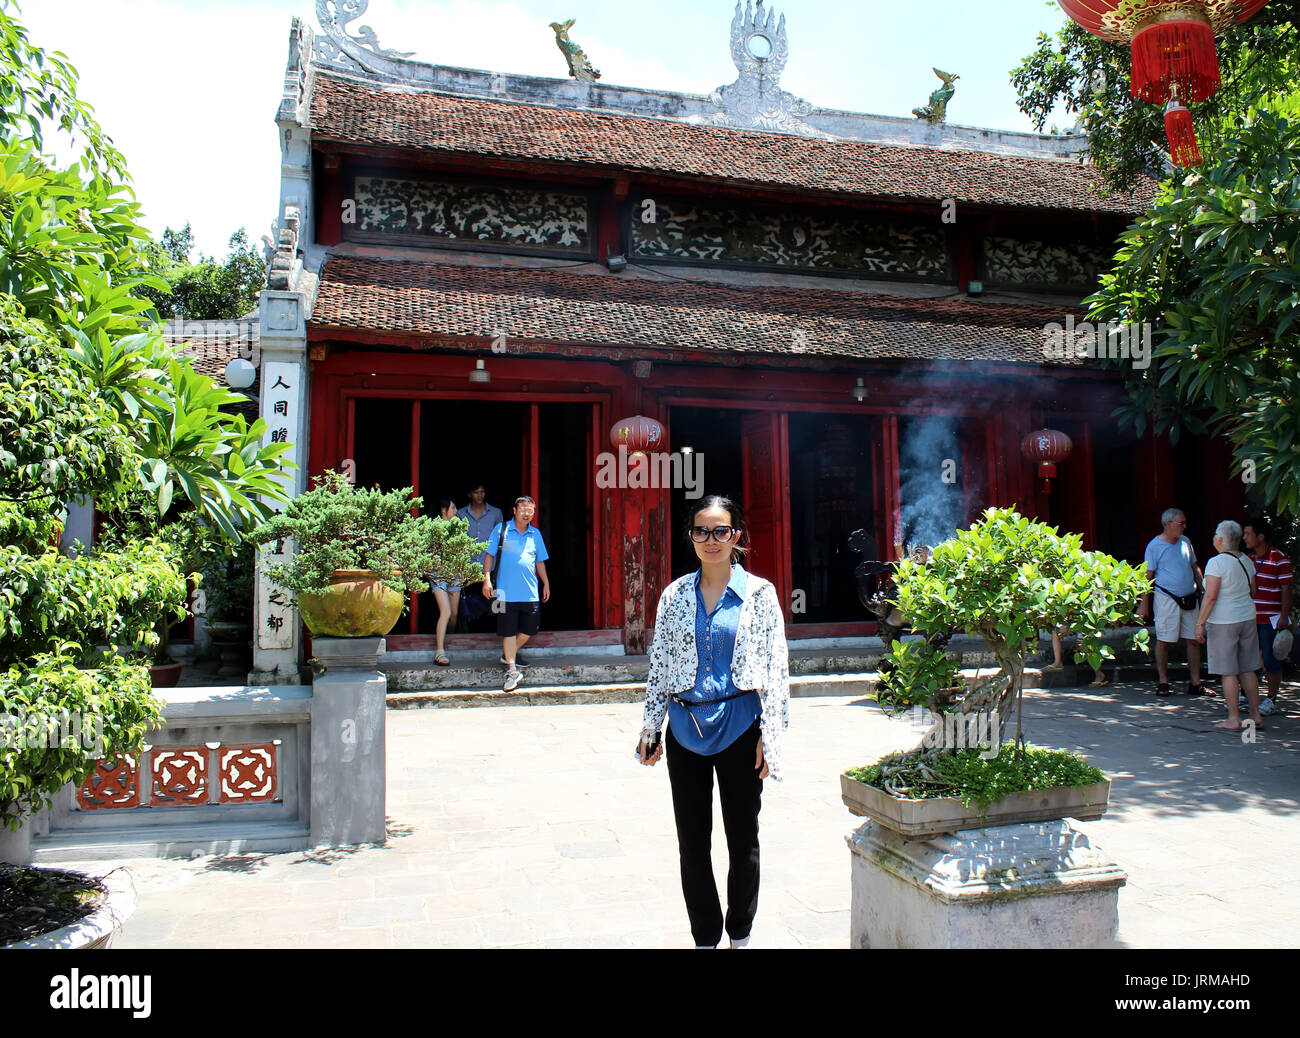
x: 1214, y: 266
x: 92, y: 404
x: 1089, y: 77
x: 206, y: 289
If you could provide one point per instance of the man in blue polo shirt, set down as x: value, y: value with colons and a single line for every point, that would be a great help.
x: 523, y: 561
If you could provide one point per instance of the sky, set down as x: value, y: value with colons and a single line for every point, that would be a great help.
x: 188, y: 91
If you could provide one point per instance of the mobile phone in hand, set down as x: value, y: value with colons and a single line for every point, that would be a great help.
x: 651, y: 747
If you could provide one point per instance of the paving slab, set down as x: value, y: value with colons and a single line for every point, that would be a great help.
x: 532, y: 826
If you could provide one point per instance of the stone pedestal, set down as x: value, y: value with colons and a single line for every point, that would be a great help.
x: 1036, y: 885
x: 348, y: 743
x: 16, y: 847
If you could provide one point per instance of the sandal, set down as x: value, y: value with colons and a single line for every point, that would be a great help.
x: 1162, y: 689
x: 1099, y: 682
x: 1196, y: 690
x: 440, y: 658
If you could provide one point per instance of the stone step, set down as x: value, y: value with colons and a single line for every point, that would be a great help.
x: 415, y: 671
x: 171, y: 841
x: 534, y: 692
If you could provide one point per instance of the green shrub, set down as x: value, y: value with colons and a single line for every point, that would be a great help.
x: 338, y: 526
x: 975, y: 781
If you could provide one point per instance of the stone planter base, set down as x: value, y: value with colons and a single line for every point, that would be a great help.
x: 1036, y: 885
x: 915, y: 818
x: 97, y: 930
x: 16, y: 847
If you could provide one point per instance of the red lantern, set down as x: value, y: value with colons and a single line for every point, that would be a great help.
x: 638, y: 434
x: 1047, y: 447
x: 1174, y: 58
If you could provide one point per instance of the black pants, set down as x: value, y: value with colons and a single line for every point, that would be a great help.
x: 740, y: 790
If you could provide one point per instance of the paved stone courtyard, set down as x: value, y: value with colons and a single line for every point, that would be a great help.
x: 534, y: 827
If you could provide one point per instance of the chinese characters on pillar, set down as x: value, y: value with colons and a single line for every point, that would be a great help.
x: 281, y: 410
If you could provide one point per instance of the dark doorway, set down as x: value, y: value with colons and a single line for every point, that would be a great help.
x: 1120, y: 532
x: 831, y: 495
x: 564, y: 485
x: 714, y: 435
x: 382, y: 443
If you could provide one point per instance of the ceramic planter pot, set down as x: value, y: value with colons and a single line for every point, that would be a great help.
x: 357, y: 605
x: 913, y: 818
x: 165, y: 675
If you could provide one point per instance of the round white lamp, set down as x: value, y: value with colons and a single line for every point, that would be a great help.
x: 240, y: 373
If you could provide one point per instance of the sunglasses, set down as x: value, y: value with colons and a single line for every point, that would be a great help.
x: 700, y: 534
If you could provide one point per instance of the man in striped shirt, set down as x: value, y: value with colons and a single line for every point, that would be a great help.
x: 1272, y: 601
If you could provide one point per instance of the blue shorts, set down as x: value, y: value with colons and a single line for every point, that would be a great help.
x: 1266, y: 636
x: 442, y: 585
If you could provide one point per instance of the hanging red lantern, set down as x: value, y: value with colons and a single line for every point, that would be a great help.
x: 1174, y: 58
x: 638, y: 434
x: 1046, y: 447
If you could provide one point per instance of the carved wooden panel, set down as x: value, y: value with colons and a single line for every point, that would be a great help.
x: 685, y: 230
x: 248, y: 774
x: 446, y: 212
x: 113, y: 784
x: 1074, y: 267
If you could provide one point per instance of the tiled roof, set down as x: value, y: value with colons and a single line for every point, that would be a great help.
x: 554, y: 306
x: 214, y: 344
x: 350, y: 112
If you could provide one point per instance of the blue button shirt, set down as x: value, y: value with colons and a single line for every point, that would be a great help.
x: 516, y: 578
x: 719, y: 724
x: 483, y: 529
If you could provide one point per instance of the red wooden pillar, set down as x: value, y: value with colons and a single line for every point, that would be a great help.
x: 765, y: 468
x: 893, y: 487
x: 415, y: 487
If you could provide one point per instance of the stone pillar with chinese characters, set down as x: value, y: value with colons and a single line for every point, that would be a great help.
x: 284, y: 397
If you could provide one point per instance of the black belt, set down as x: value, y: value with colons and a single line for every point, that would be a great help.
x: 688, y: 703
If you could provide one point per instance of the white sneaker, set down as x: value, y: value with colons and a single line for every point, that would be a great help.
x: 739, y: 944
x: 512, y: 680
x: 1266, y: 706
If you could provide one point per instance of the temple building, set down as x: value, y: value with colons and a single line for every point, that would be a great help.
x: 847, y: 322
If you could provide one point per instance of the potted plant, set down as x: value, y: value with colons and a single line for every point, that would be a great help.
x: 358, y: 554
x: 1004, y: 579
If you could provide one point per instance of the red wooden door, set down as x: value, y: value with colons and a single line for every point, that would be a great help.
x: 766, y: 482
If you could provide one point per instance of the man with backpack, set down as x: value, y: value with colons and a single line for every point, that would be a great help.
x: 1171, y: 565
x: 513, y: 582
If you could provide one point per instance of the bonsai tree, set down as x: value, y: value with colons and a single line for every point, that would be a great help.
x: 336, y: 526
x: 1004, y: 579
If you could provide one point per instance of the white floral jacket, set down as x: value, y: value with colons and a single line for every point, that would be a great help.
x: 759, y: 661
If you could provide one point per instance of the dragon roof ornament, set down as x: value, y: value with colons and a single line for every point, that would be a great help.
x: 360, y: 53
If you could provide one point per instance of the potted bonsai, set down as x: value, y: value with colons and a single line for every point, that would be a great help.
x: 358, y: 554
x: 1003, y: 579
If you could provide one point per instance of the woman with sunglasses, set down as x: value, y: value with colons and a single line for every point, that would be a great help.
x: 720, y: 671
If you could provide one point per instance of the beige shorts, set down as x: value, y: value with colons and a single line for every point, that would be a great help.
x: 1233, y: 648
x: 1173, y: 624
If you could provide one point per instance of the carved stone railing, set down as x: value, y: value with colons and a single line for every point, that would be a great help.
x: 233, y: 770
